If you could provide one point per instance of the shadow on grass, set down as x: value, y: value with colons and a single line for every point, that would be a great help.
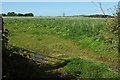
x: 16, y: 66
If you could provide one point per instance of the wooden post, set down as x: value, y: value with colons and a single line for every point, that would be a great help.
x: 1, y: 46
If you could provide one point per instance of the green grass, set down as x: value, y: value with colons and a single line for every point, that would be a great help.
x: 88, y: 69
x: 65, y: 36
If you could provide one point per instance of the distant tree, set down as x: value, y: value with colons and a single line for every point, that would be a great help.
x: 99, y: 16
x: 11, y: 14
x: 29, y: 14
x: 4, y: 14
x: 19, y: 14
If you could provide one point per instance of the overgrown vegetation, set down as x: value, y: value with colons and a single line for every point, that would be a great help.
x: 88, y: 40
x: 88, y: 69
x: 23, y: 64
x: 87, y: 33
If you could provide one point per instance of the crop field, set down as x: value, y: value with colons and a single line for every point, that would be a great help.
x: 86, y: 43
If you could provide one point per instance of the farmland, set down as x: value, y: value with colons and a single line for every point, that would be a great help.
x: 86, y: 42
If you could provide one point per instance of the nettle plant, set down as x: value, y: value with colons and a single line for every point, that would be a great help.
x: 114, y: 27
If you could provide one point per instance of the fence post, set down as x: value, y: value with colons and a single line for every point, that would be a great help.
x: 1, y: 46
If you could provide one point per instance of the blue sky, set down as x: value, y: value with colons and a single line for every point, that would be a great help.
x: 59, y: 0
x: 57, y: 8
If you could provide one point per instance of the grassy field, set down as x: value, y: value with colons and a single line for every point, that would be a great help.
x: 86, y: 42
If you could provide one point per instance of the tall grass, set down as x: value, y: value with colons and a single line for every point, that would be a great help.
x: 87, y: 33
x: 68, y: 36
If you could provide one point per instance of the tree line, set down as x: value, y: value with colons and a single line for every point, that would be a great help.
x: 94, y: 16
x: 19, y: 14
x: 99, y: 16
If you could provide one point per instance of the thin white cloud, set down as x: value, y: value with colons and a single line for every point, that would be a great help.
x: 59, y: 0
